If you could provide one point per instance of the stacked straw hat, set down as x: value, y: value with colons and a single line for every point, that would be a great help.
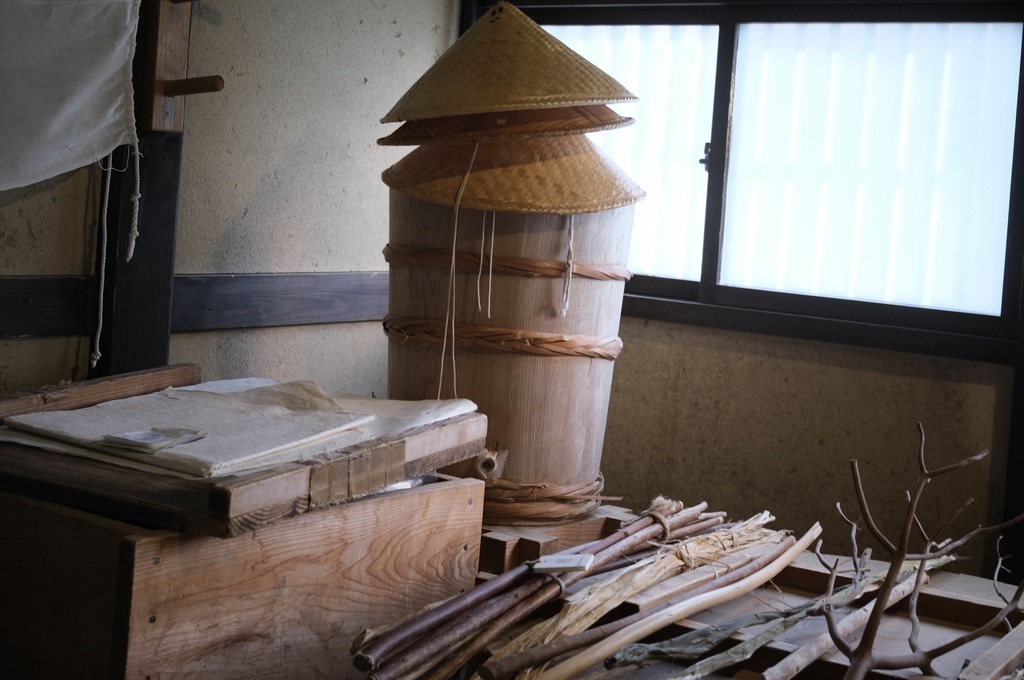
x: 505, y: 111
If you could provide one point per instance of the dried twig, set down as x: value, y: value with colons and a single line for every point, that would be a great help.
x: 596, y: 653
x: 506, y: 667
x: 863, y: 658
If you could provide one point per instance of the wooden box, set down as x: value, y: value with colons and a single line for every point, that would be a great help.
x: 112, y: 572
x: 90, y: 597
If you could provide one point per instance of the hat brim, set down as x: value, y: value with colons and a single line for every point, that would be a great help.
x: 506, y: 126
x: 555, y: 175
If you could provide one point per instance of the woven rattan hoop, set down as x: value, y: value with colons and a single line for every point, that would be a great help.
x: 401, y: 256
x: 432, y: 331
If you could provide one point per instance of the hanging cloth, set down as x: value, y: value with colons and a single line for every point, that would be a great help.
x: 66, y: 97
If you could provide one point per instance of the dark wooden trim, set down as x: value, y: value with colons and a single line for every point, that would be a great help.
x: 47, y: 306
x: 216, y: 302
x: 913, y: 340
x: 137, y: 293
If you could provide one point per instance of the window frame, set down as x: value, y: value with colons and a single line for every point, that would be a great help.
x: 709, y: 303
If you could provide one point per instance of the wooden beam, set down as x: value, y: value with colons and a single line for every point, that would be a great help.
x: 137, y: 300
x: 216, y: 302
x: 47, y: 306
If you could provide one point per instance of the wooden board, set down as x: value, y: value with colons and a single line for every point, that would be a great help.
x: 956, y: 599
x: 222, y: 506
x: 91, y: 392
x: 85, y: 596
x: 504, y: 547
x: 288, y: 600
x: 58, y: 582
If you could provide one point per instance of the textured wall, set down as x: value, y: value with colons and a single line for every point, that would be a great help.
x: 281, y: 170
x: 750, y: 422
x: 48, y: 229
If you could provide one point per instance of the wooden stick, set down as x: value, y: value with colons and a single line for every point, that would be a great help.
x: 373, y: 653
x: 595, y: 654
x: 808, y: 652
x: 488, y: 618
x: 506, y: 667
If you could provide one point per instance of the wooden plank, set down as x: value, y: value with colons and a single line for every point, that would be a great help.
x: 164, y: 33
x: 1000, y: 660
x: 137, y: 296
x: 504, y: 547
x: 244, y: 493
x: 47, y: 306
x: 235, y: 504
x: 369, y: 466
x: 91, y: 392
x: 58, y: 584
x: 217, y: 302
x: 107, y: 489
x: 498, y: 552
x: 964, y: 600
x: 288, y: 600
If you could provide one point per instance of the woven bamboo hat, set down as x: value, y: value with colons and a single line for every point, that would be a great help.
x: 506, y: 62
x: 506, y: 125
x: 556, y: 175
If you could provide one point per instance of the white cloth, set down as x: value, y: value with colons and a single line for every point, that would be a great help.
x: 66, y: 97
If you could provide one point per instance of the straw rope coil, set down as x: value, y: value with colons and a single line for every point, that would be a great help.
x: 403, y: 256
x: 507, y: 502
x: 432, y: 331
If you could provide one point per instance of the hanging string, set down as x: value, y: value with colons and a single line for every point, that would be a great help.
x: 449, y: 314
x: 134, y: 233
x: 490, y: 266
x: 568, y: 268
x: 480, y: 267
x: 108, y: 172
x: 94, y: 358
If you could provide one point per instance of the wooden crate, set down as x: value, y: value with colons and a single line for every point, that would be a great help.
x: 107, y: 571
x: 85, y: 596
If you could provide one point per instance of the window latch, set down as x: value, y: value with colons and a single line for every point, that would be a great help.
x: 707, y: 153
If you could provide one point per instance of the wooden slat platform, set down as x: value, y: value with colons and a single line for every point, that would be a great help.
x: 224, y: 506
x: 949, y: 605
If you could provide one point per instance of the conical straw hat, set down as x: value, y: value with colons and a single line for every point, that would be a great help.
x: 506, y: 125
x: 506, y: 62
x: 556, y: 175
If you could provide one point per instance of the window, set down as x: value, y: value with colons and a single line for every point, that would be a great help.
x: 858, y: 184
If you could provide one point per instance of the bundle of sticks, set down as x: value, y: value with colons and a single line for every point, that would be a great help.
x: 470, y: 633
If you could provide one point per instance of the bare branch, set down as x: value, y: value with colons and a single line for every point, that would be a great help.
x: 862, y: 500
x: 953, y: 545
x: 952, y: 519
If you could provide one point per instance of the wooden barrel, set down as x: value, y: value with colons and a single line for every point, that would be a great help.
x: 533, y: 347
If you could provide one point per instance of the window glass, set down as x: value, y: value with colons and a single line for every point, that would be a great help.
x: 872, y: 161
x: 672, y: 71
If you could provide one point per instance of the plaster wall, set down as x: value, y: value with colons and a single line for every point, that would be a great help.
x: 281, y: 170
x: 750, y: 422
x: 48, y: 229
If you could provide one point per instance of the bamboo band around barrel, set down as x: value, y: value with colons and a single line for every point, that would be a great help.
x: 520, y: 266
x: 433, y: 331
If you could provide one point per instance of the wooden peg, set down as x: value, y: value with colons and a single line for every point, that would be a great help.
x: 185, y: 86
